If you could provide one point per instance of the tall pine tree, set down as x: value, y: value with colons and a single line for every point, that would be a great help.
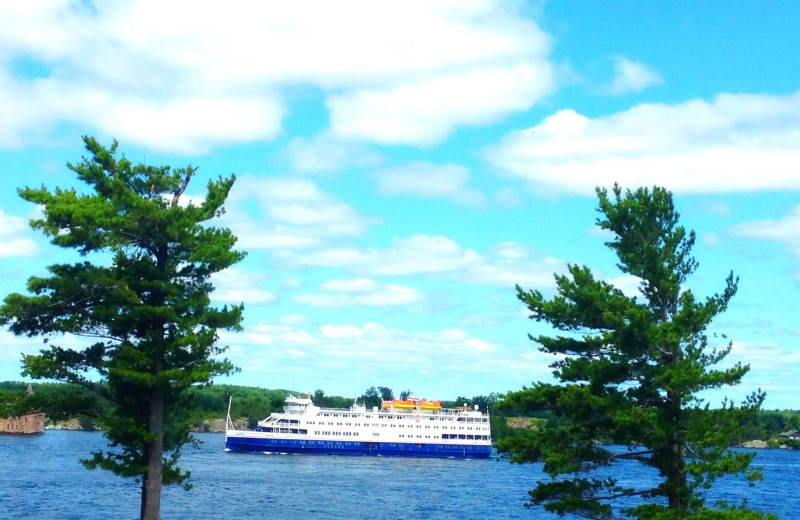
x: 629, y: 371
x: 143, y: 300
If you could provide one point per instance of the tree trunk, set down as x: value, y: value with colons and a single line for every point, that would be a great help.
x: 676, y: 474
x: 151, y: 497
x: 151, y: 500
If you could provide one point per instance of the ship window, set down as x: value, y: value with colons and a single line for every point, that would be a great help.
x: 268, y: 429
x: 293, y: 430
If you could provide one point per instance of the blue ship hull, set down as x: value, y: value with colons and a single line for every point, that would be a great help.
x: 386, y: 449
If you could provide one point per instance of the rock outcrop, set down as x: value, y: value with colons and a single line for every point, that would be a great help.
x: 73, y: 424
x: 28, y: 424
x: 755, y: 444
x: 218, y: 425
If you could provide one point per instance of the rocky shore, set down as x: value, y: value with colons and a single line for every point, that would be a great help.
x: 755, y: 444
x: 218, y: 425
x: 208, y: 425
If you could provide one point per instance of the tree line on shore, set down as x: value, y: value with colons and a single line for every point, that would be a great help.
x: 63, y: 401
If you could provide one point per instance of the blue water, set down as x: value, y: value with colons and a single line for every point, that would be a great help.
x: 40, y: 477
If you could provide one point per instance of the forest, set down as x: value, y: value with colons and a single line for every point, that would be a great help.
x: 62, y: 401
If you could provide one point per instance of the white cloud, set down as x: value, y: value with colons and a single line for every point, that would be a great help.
x: 12, y: 347
x: 477, y: 344
x: 357, y: 285
x: 187, y: 76
x: 628, y: 284
x: 777, y: 362
x: 424, y: 112
x: 354, y: 355
x: 19, y: 246
x: 12, y: 243
x: 361, y: 292
x: 325, y: 153
x: 420, y: 254
x: 632, y: 76
x: 11, y: 226
x: 340, y: 331
x: 240, y: 286
x: 293, y: 214
x: 511, y: 250
x: 430, y: 180
x: 438, y: 257
x: 785, y: 231
x: 736, y: 143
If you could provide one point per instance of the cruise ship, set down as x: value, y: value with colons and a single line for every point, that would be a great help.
x: 401, y: 428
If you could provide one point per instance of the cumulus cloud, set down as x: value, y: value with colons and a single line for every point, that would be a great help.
x: 449, y: 181
x: 775, y: 364
x: 12, y: 241
x: 785, y: 231
x: 353, y: 354
x: 240, y: 286
x: 292, y: 214
x: 632, y: 76
x: 185, y: 76
x: 325, y: 153
x: 424, y: 112
x: 735, y: 143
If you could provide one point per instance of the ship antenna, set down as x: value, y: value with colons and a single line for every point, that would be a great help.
x: 228, y: 422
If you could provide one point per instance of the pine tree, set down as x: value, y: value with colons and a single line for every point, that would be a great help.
x: 143, y: 300
x: 629, y: 372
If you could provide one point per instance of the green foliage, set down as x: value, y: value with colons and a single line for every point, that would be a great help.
x: 56, y: 400
x: 330, y: 401
x: 486, y: 403
x: 630, y: 370
x: 143, y: 301
x: 255, y: 404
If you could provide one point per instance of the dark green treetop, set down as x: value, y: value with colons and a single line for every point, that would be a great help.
x: 630, y: 370
x: 143, y: 300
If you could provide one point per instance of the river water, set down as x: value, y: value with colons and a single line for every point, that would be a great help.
x: 40, y: 477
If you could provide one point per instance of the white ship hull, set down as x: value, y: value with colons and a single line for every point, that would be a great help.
x: 391, y: 431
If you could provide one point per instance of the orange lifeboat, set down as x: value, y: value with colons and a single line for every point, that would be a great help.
x: 406, y: 404
x: 430, y: 405
x: 411, y: 404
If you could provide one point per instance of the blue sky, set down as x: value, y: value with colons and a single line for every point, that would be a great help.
x: 402, y: 165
